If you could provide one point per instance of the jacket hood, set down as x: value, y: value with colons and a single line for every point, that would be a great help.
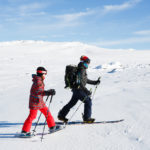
x: 36, y: 78
x: 81, y: 65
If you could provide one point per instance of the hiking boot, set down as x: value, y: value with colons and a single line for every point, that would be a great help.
x: 89, y: 120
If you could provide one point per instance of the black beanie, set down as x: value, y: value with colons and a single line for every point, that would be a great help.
x: 40, y: 71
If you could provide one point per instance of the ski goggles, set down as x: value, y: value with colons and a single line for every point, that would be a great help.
x: 42, y: 72
x: 87, y: 61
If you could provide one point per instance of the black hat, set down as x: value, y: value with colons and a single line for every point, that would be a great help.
x: 40, y: 71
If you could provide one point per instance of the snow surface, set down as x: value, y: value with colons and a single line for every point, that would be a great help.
x: 124, y: 93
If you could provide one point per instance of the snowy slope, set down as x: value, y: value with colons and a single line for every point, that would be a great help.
x: 122, y: 94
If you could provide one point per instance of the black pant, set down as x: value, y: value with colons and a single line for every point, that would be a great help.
x: 78, y: 94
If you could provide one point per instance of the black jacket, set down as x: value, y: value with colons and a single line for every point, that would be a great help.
x: 83, y: 79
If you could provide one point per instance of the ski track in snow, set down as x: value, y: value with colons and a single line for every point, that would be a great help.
x: 122, y: 94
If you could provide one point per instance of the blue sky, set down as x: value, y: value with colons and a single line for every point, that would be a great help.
x: 106, y: 23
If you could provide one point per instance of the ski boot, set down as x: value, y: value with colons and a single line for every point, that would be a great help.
x: 89, y: 120
x: 55, y: 128
x: 25, y: 134
x: 62, y: 118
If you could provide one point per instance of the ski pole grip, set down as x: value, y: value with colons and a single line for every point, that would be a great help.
x: 98, y: 80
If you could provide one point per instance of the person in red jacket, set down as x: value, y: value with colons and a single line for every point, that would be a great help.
x: 36, y: 102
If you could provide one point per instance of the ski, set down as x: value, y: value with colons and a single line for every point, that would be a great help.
x: 83, y: 123
x: 19, y: 135
x: 51, y: 132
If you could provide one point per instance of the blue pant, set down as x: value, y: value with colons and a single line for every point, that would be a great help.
x: 78, y: 94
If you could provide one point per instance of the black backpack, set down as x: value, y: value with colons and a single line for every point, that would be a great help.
x: 71, y: 76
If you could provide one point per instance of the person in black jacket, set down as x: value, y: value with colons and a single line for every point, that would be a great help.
x: 80, y: 92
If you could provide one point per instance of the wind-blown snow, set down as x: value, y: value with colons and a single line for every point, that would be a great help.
x: 124, y: 93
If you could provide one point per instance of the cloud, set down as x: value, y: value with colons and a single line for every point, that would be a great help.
x: 36, y: 15
x: 36, y: 8
x: 31, y: 7
x: 74, y: 16
x: 107, y: 8
x: 19, y: 14
x: 142, y: 32
x: 70, y: 19
x: 124, y: 6
x: 125, y: 41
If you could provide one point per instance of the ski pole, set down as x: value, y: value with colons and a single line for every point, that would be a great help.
x: 95, y: 89
x: 34, y: 130
x: 46, y: 118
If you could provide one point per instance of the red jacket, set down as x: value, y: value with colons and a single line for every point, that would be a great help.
x: 37, y: 93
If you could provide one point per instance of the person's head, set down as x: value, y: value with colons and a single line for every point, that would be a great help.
x: 85, y: 60
x: 41, y: 71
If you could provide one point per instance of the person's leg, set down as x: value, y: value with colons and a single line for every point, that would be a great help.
x: 87, y: 104
x: 87, y: 108
x: 65, y: 110
x: 28, y: 123
x: 49, y: 118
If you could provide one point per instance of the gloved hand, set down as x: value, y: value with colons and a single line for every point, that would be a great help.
x: 89, y: 93
x: 50, y: 92
x: 98, y: 81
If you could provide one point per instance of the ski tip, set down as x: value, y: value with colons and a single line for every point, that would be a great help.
x: 121, y: 120
x: 21, y: 136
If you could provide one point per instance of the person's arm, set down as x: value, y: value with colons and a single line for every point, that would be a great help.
x: 93, y: 82
x: 50, y: 92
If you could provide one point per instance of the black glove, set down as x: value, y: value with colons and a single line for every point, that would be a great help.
x: 50, y: 92
x: 98, y: 81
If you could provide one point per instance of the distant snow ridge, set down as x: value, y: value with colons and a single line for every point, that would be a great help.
x: 111, y: 67
x: 26, y: 42
x: 21, y: 42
